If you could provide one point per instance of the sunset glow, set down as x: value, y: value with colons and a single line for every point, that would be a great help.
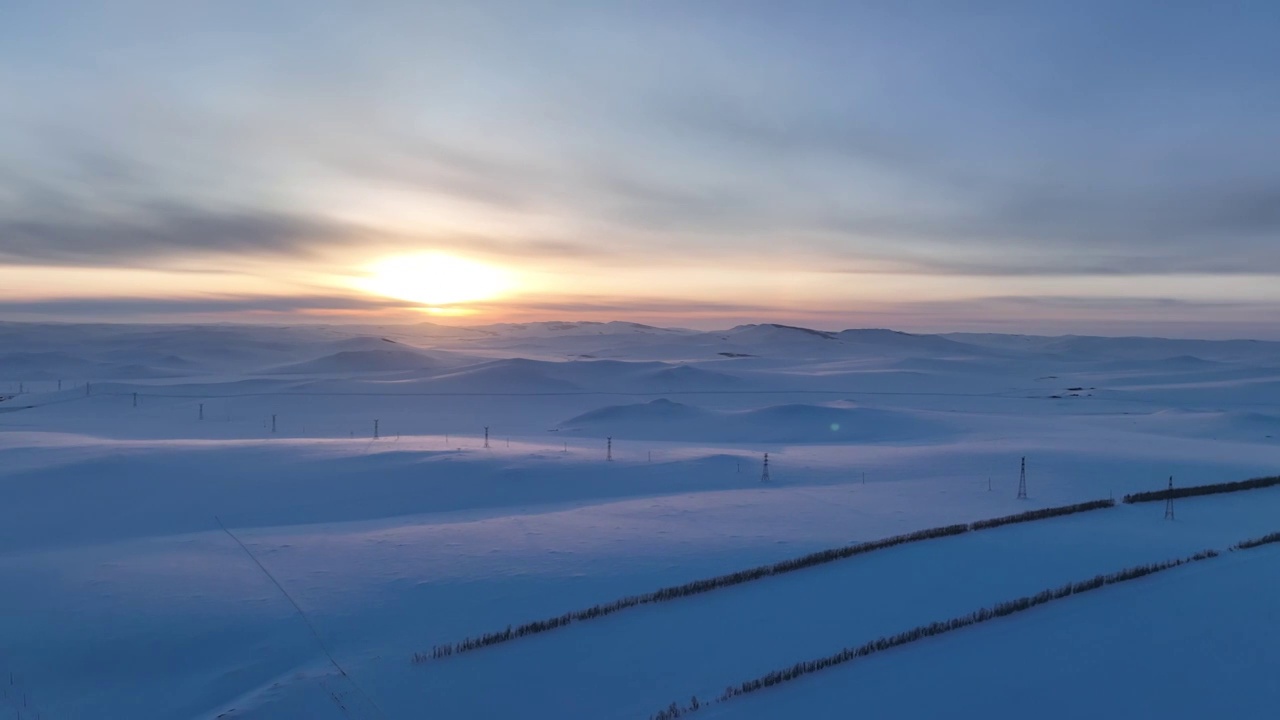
x: 693, y: 164
x: 434, y: 280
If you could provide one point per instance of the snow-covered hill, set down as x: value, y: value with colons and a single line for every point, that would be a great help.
x: 120, y: 445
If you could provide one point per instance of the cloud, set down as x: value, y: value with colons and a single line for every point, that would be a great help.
x: 515, y: 248
x: 166, y: 234
x: 1170, y: 317
x: 1028, y: 310
x: 573, y: 307
x: 550, y: 308
x: 162, y: 231
x: 1055, y: 315
x: 111, y: 307
x: 1016, y: 230
x: 1117, y: 304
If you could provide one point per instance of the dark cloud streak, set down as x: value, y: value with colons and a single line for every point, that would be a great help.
x: 162, y: 231
x: 209, y: 304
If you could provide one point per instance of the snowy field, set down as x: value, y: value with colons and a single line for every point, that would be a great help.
x: 123, y: 447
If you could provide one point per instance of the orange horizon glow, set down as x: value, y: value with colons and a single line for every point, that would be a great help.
x: 378, y: 285
x: 435, y: 281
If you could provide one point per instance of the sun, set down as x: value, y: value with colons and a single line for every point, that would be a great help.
x: 434, y: 279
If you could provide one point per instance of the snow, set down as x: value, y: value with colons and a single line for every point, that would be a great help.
x: 800, y: 423
x: 1194, y: 642
x: 125, y: 598
x: 357, y: 361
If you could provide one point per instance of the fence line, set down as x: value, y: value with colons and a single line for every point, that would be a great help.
x: 742, y: 576
x: 1003, y: 609
x: 1198, y: 490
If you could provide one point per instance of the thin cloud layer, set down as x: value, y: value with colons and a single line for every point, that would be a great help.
x: 158, y: 232
x: 116, y: 307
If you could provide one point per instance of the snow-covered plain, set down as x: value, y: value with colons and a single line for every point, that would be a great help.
x: 123, y: 598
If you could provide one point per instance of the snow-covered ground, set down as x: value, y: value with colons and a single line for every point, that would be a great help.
x: 123, y: 598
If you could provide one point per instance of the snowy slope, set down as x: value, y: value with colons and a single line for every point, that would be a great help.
x: 1190, y: 643
x: 358, y: 361
x: 663, y: 419
x: 132, y: 602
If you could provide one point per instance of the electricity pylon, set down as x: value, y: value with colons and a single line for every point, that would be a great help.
x: 1022, y: 481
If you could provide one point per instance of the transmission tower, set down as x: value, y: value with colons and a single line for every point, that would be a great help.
x: 1022, y: 481
x: 608, y: 452
x: 764, y: 477
x: 1168, y: 501
x: 486, y: 437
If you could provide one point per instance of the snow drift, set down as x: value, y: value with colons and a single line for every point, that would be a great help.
x: 664, y: 419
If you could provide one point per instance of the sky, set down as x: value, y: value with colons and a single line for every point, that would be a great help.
x: 1042, y: 167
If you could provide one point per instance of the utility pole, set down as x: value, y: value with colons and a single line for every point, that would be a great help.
x: 609, y: 449
x: 764, y: 477
x: 273, y: 423
x: 1022, y: 481
x: 201, y: 411
x: 135, y: 399
x: 1168, y: 502
x: 988, y: 483
x: 486, y: 437
x: 375, y: 429
x: 59, y: 384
